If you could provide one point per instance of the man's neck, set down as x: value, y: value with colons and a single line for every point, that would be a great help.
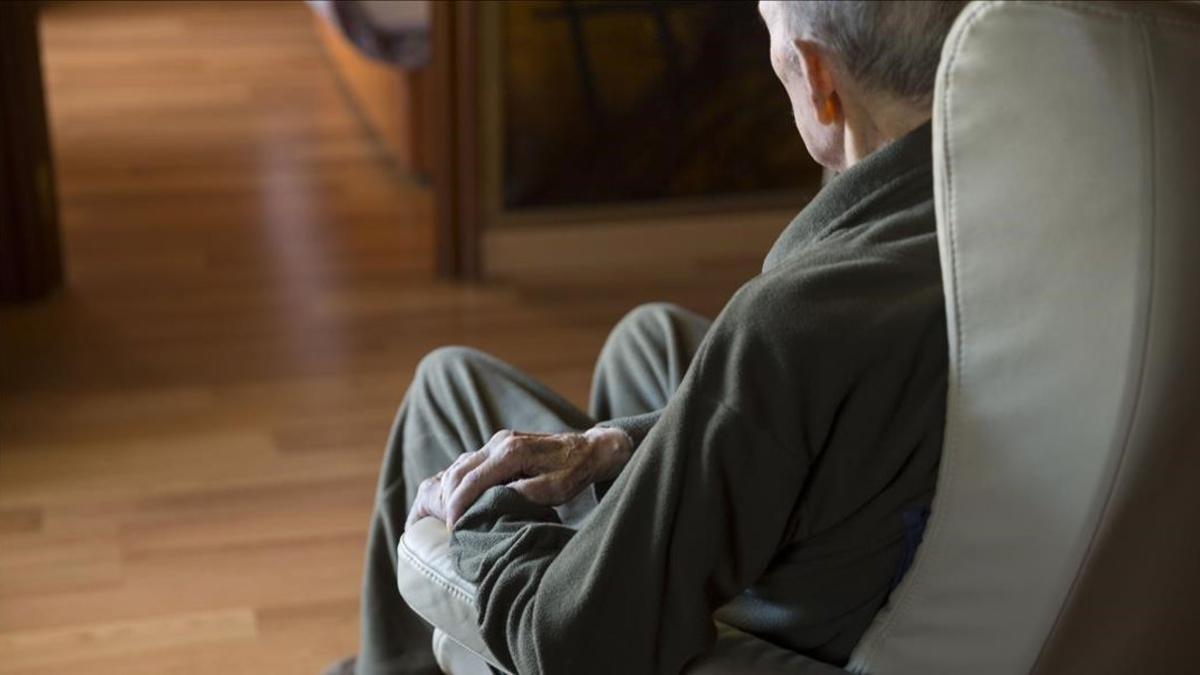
x: 868, y: 129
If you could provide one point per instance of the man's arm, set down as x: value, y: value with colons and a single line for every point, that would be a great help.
x: 692, y: 520
x: 636, y: 427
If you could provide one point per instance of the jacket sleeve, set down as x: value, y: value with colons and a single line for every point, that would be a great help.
x: 637, y: 427
x: 692, y: 521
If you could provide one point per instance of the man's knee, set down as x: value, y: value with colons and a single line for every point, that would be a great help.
x: 444, y: 383
x: 649, y: 319
x: 445, y: 363
x: 448, y: 356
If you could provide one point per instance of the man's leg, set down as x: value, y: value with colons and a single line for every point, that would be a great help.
x: 644, y: 360
x: 458, y: 399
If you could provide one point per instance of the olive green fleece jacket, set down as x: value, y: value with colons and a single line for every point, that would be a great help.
x: 782, y: 489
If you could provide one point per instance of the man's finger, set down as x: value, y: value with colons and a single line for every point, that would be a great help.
x: 418, y: 512
x: 550, y: 489
x: 467, y: 461
x: 497, y: 469
x: 419, y: 508
x: 430, y: 488
x: 498, y: 436
x: 452, y: 476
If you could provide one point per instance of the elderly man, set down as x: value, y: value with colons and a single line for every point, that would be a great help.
x: 771, y: 470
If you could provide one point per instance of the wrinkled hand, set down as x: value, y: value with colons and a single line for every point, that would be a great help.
x: 547, y: 469
x: 428, y: 501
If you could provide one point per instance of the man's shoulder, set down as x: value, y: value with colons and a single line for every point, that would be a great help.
x: 837, y: 292
x: 788, y: 307
x: 840, y: 274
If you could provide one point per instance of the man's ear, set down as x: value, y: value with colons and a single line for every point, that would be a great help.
x: 822, y: 85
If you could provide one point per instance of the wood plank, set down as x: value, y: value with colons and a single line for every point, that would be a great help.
x: 20, y: 521
x: 80, y: 645
x: 39, y: 564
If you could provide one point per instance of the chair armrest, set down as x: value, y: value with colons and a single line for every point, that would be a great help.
x: 429, y: 582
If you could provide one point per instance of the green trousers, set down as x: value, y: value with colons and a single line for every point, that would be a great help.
x: 458, y: 399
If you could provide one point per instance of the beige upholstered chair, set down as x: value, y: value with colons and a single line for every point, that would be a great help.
x: 1065, y: 535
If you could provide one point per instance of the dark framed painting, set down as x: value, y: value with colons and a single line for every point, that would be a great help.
x: 596, y: 106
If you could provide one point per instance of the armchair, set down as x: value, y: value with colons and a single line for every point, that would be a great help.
x: 1064, y: 534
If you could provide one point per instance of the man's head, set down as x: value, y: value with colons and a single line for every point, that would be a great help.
x: 859, y: 74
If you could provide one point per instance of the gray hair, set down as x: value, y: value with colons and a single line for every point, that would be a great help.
x: 890, y: 47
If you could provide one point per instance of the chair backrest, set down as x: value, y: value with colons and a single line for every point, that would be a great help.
x: 1065, y: 535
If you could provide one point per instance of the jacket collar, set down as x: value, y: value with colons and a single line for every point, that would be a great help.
x: 883, y: 172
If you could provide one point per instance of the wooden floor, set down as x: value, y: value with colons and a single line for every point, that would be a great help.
x: 189, y: 432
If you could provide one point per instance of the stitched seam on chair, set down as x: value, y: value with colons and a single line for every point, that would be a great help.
x: 1140, y: 381
x: 491, y: 660
x: 904, y: 594
x: 435, y: 576
x: 1115, y: 14
x: 428, y: 619
x: 446, y: 636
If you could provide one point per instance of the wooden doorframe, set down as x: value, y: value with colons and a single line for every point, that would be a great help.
x: 455, y: 127
x: 475, y: 237
x: 30, y: 250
